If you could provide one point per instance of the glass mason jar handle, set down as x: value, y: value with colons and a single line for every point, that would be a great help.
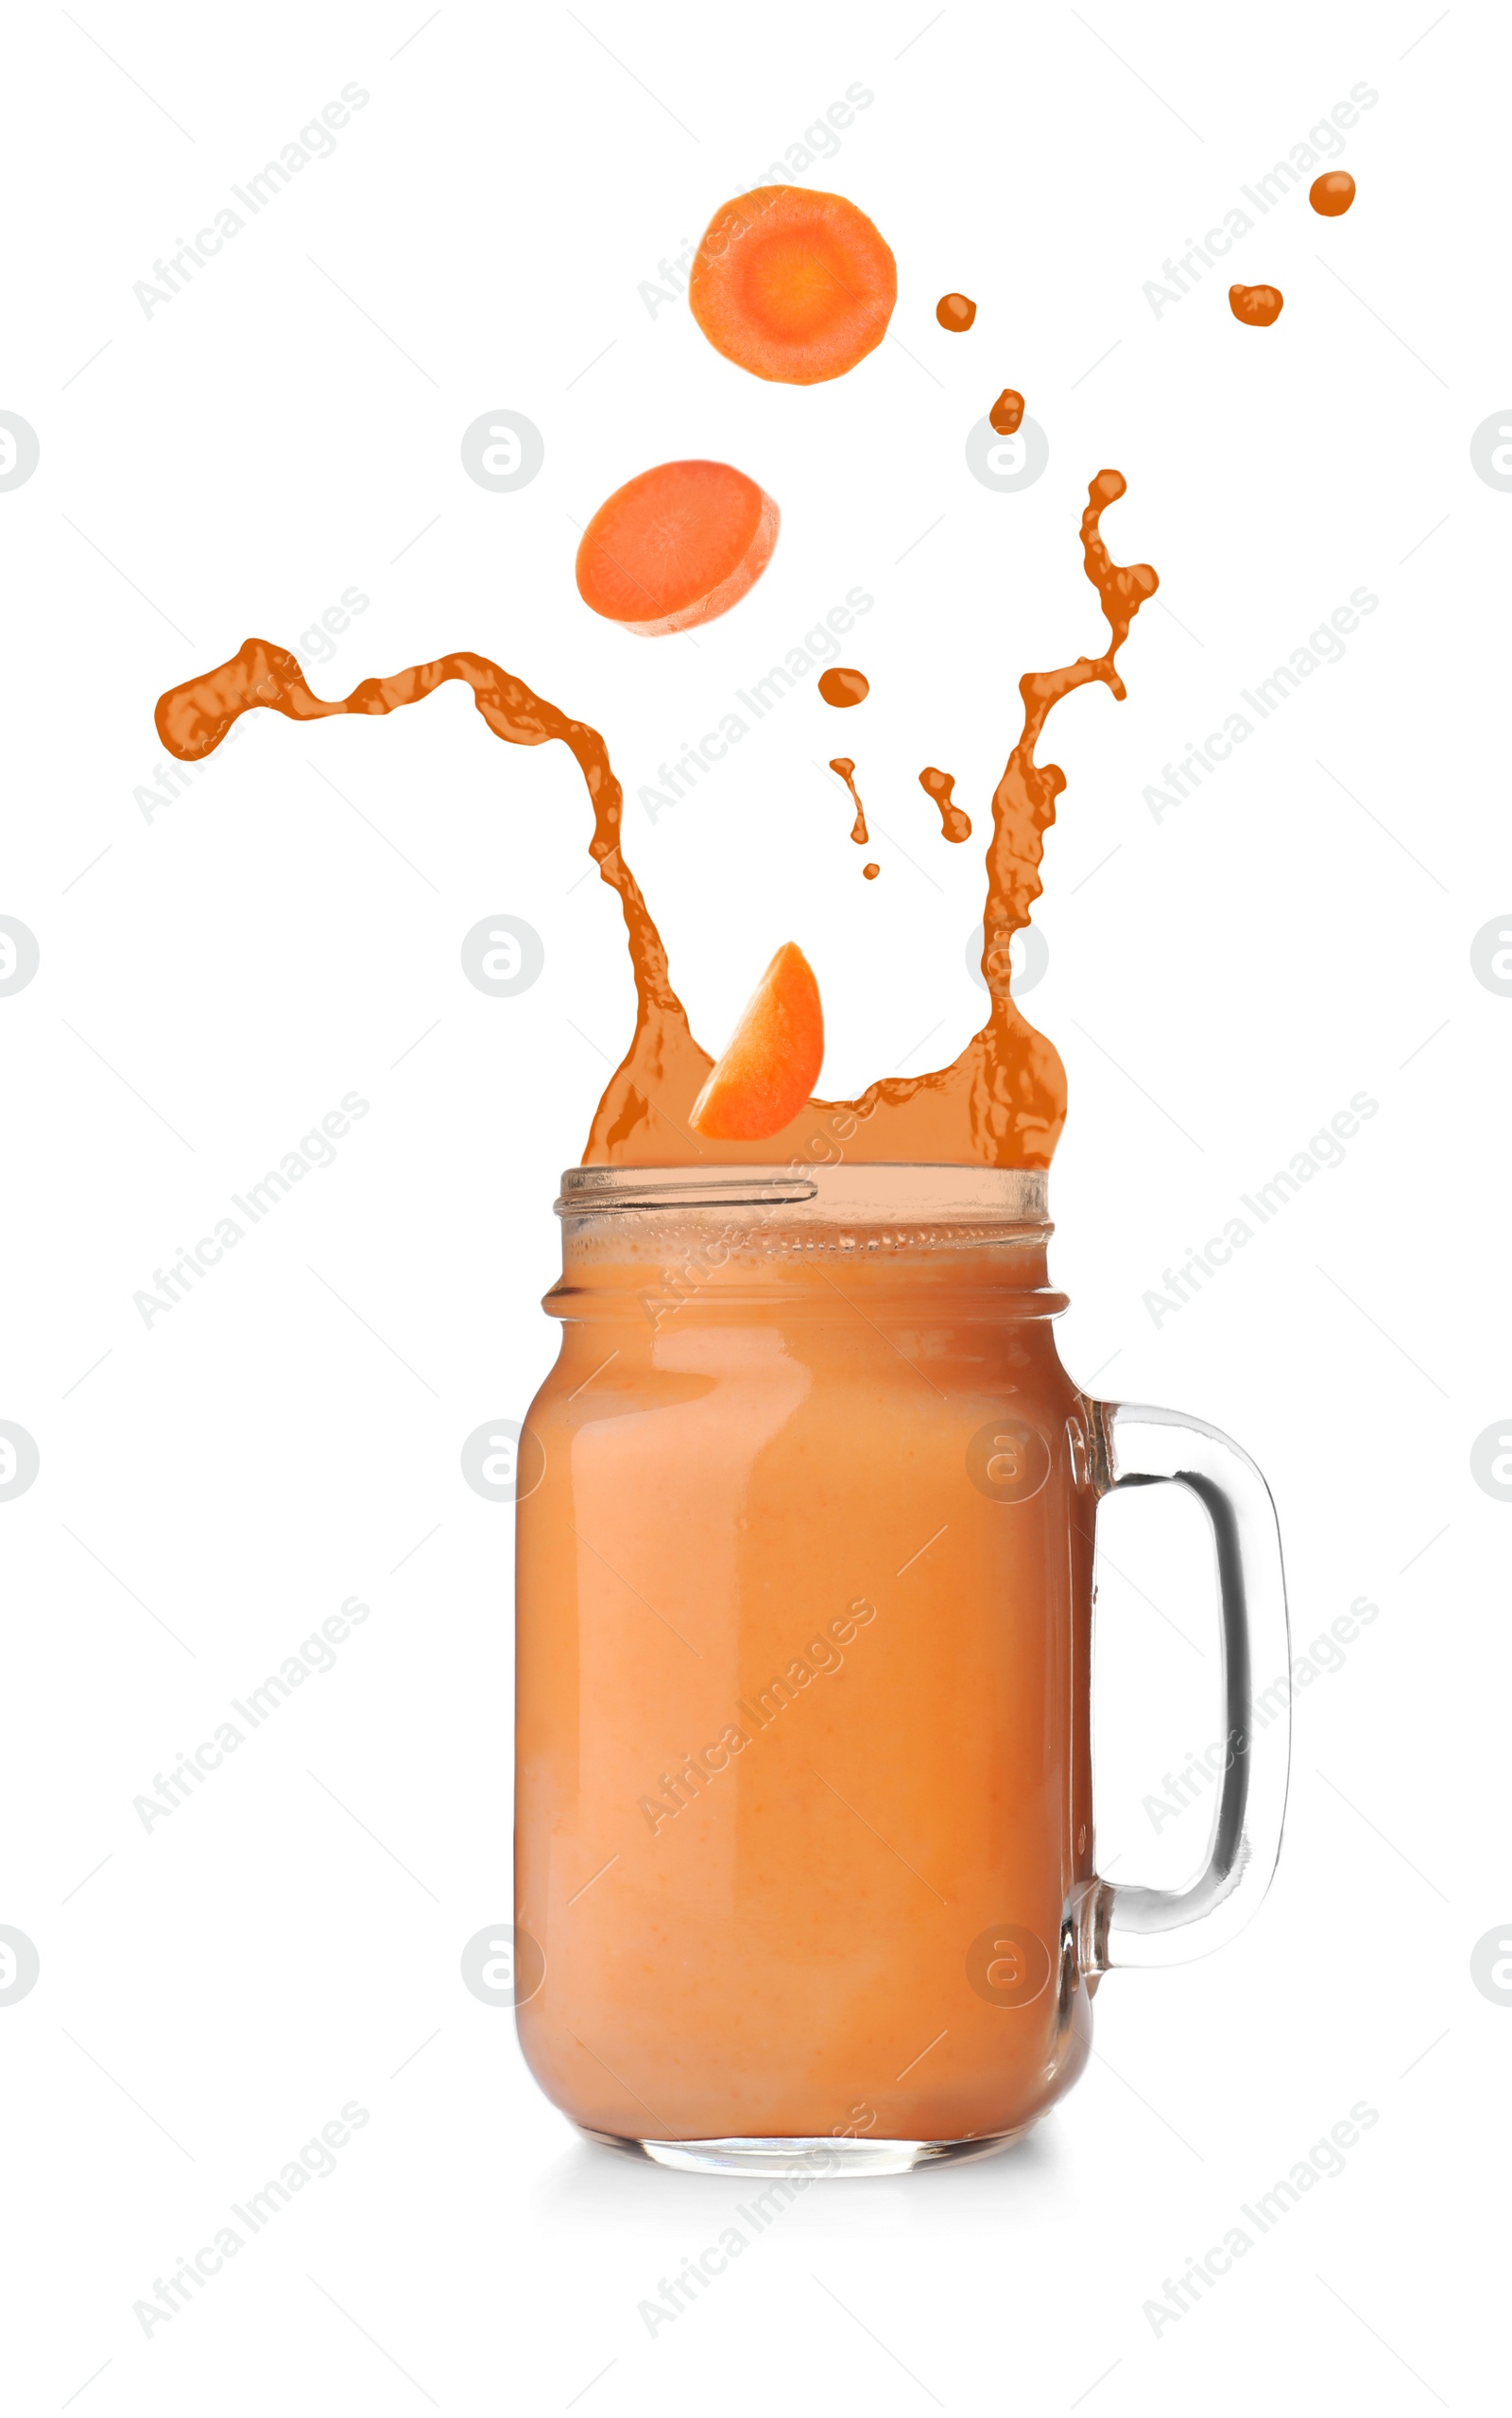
x: 1123, y: 1924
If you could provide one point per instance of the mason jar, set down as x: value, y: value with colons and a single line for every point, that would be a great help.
x: 806, y: 1856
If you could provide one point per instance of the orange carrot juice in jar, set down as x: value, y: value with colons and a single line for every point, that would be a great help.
x: 804, y: 1811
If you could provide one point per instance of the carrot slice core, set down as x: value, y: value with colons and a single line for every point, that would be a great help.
x: 792, y: 286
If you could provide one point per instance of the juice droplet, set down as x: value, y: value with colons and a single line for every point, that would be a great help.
x: 870, y: 872
x: 954, y: 823
x: 1007, y: 412
x: 1332, y: 194
x: 845, y: 765
x: 841, y: 686
x: 956, y: 312
x: 1255, y: 305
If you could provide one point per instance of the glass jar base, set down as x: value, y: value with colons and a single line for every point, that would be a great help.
x: 814, y: 2156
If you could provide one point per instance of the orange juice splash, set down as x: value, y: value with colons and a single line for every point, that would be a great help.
x: 1001, y: 1103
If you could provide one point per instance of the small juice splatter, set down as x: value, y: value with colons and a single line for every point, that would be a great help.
x: 841, y: 686
x: 870, y: 872
x: 955, y: 823
x: 1255, y: 305
x: 1007, y: 412
x: 956, y: 312
x: 845, y: 765
x: 1332, y: 194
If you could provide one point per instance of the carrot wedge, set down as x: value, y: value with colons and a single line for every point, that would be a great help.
x: 793, y: 285
x: 772, y: 1061
x: 676, y: 546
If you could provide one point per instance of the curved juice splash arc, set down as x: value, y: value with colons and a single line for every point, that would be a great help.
x: 1002, y: 1102
x: 193, y: 720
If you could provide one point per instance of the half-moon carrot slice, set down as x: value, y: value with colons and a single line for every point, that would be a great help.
x: 772, y: 1062
x: 678, y: 546
x: 793, y: 285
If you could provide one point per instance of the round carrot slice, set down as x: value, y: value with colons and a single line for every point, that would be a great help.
x: 793, y: 285
x: 773, y: 1059
x: 678, y: 546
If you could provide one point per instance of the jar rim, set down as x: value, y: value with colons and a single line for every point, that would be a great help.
x: 865, y: 1192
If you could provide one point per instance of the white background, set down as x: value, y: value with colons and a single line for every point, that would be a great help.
x: 287, y: 930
